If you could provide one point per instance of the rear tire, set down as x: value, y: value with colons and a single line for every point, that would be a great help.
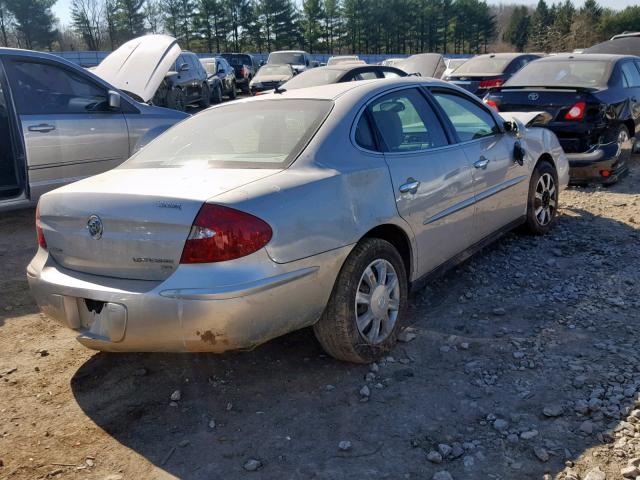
x: 364, y: 314
x: 542, y: 202
x: 176, y: 100
x: 234, y: 92
x: 205, y: 99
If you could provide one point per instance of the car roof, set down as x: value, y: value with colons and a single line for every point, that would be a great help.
x: 502, y: 55
x: 346, y: 66
x: 288, y: 51
x: 335, y: 91
x: 605, y: 57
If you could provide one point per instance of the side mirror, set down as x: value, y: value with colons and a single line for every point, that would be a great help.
x: 262, y: 63
x: 518, y: 153
x: 114, y: 100
x: 510, y: 126
x: 221, y: 70
x: 184, y: 67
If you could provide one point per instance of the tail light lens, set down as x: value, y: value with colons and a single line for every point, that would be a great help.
x: 220, y: 233
x: 244, y: 72
x: 41, y: 240
x: 495, y: 82
x: 576, y: 112
x: 491, y: 103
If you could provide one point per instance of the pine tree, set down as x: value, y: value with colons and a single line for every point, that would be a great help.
x: 86, y: 18
x: 34, y: 21
x: 130, y: 18
x: 517, y: 33
x: 6, y: 19
x: 311, y: 26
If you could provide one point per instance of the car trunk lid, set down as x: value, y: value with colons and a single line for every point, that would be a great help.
x: 121, y: 224
x: 555, y: 101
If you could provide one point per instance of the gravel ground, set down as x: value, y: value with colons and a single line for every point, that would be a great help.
x: 522, y: 363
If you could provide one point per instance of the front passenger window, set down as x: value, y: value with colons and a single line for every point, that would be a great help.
x: 469, y: 120
x: 45, y: 88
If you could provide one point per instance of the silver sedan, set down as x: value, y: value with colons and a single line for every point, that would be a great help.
x: 321, y: 206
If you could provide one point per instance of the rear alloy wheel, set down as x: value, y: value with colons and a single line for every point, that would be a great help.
x: 543, y: 199
x: 176, y: 100
x: 362, y: 319
x: 205, y: 99
x: 216, y: 96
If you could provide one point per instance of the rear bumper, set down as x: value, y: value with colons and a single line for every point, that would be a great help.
x: 604, y: 163
x: 243, y: 307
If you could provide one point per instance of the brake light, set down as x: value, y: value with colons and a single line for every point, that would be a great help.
x: 244, y: 71
x: 491, y: 103
x: 495, y: 82
x: 576, y: 112
x: 41, y: 240
x: 221, y: 233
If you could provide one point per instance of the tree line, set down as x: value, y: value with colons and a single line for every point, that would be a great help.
x: 318, y: 26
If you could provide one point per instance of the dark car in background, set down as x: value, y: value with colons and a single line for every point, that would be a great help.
x: 221, y: 78
x: 270, y: 77
x: 481, y: 73
x: 245, y: 67
x: 593, y: 107
x: 185, y: 85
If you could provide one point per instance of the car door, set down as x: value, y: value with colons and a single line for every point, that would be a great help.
x: 11, y: 167
x: 68, y: 128
x: 631, y: 82
x: 500, y: 184
x: 431, y: 179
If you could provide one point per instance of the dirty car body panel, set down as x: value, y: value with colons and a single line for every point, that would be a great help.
x: 114, y: 268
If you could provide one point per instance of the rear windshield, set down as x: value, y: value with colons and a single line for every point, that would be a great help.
x: 237, y: 59
x: 484, y: 66
x: 274, y: 70
x: 313, y: 78
x: 345, y: 59
x: 262, y: 134
x: 280, y: 58
x: 565, y: 73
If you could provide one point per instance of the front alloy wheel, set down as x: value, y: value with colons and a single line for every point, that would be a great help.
x: 546, y: 199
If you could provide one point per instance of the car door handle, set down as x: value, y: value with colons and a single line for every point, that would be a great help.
x: 43, y: 127
x: 481, y: 163
x: 410, y: 187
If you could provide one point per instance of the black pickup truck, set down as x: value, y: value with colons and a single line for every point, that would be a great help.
x: 245, y: 66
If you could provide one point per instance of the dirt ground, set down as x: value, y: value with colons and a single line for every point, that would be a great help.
x: 523, y: 363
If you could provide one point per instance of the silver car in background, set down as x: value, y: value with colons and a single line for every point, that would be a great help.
x: 60, y: 123
x: 321, y: 206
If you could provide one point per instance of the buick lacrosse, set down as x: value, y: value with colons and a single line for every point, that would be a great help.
x: 322, y: 206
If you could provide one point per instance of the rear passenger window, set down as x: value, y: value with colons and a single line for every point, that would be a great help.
x: 406, y: 122
x: 389, y: 74
x: 364, y: 136
x: 469, y: 119
x: 631, y: 74
x: 365, y: 76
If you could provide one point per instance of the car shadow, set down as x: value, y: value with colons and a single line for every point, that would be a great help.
x: 503, y: 335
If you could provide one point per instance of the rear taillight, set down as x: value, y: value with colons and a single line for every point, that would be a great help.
x: 244, y: 72
x: 496, y: 82
x: 41, y: 240
x: 491, y: 103
x: 222, y: 233
x: 576, y: 112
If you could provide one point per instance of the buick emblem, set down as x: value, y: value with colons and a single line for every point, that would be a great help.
x: 94, y: 226
x: 533, y: 97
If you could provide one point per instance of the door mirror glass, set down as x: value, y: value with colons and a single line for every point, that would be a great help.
x: 114, y: 100
x: 184, y: 67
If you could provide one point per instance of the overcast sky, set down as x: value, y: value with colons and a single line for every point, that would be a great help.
x: 61, y: 8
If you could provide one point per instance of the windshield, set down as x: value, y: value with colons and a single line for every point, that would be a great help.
x: 209, y: 66
x: 313, y: 78
x: 565, y: 73
x: 345, y: 59
x: 260, y: 134
x: 274, y: 70
x: 484, y: 66
x: 293, y: 58
x: 237, y: 59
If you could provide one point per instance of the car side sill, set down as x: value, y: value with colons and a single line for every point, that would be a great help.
x: 238, y: 290
x: 465, y: 254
